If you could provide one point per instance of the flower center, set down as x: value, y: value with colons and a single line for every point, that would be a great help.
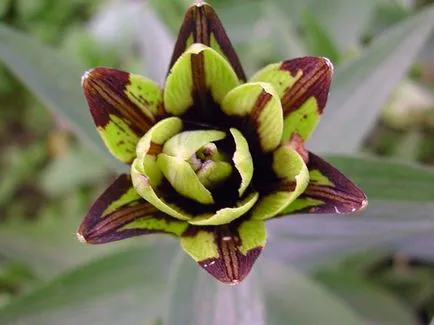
x: 199, y: 175
x: 193, y: 164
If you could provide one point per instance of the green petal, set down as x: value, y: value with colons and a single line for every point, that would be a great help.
x: 121, y: 213
x: 227, y: 215
x: 142, y: 185
x: 292, y: 179
x: 202, y: 25
x: 183, y: 179
x: 303, y: 85
x: 152, y: 144
x: 242, y: 160
x: 226, y: 252
x: 185, y: 144
x: 212, y: 173
x: 259, y: 109
x: 198, y: 80
x: 124, y: 106
x: 329, y: 191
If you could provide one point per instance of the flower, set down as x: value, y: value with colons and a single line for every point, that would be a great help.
x: 213, y: 156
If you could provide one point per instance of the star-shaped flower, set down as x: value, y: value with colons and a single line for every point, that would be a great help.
x: 213, y: 156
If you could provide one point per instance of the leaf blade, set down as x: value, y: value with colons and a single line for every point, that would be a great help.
x: 364, y: 85
x: 58, y: 88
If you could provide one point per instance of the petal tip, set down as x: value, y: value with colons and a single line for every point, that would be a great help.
x: 232, y: 273
x: 199, y: 3
x: 328, y: 63
x: 364, y: 204
x: 81, y: 238
x: 85, y: 76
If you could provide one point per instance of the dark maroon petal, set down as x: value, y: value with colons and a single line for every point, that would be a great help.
x: 329, y: 191
x: 227, y: 252
x: 120, y: 213
x: 202, y: 25
x: 124, y: 106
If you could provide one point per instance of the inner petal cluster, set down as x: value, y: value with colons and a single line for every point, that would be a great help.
x: 189, y: 172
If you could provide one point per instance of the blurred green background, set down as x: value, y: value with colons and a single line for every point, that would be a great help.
x: 378, y: 128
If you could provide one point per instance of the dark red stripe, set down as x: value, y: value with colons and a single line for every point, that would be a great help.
x: 315, y: 81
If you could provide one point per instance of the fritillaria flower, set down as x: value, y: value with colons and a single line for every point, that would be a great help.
x: 213, y: 156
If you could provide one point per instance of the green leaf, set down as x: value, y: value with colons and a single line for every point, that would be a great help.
x: 293, y: 298
x: 386, y: 179
x: 54, y: 80
x: 126, y: 287
x: 288, y: 297
x: 318, y: 239
x: 78, y: 167
x: 209, y: 301
x: 48, y: 245
x: 361, y: 87
x: 318, y: 39
x: 368, y: 299
x: 334, y: 14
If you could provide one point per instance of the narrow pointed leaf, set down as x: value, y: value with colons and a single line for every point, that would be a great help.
x: 257, y: 110
x: 368, y: 298
x: 292, y: 177
x: 303, y: 85
x: 290, y: 296
x: 362, y: 87
x: 202, y: 25
x: 55, y: 81
x: 122, y: 287
x: 388, y: 179
x: 211, y: 302
x: 124, y: 106
x: 197, y: 82
x: 226, y: 252
x: 318, y: 38
x: 121, y: 213
x: 329, y: 191
x: 324, y: 239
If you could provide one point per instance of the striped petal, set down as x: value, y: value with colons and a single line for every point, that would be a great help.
x: 197, y: 84
x: 124, y: 106
x: 202, y: 25
x: 257, y: 112
x: 227, y: 252
x: 120, y: 213
x: 329, y: 191
x: 303, y: 85
x: 291, y: 176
